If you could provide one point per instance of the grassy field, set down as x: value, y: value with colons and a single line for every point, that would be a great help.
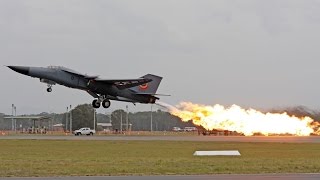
x: 93, y: 158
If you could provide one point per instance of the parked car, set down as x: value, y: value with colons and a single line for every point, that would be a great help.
x: 84, y: 131
x: 190, y: 129
x: 176, y: 129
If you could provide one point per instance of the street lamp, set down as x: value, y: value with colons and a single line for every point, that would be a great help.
x: 70, y: 119
x: 151, y: 119
x: 12, y: 122
x: 15, y: 120
x: 127, y: 119
x: 121, y: 122
x: 94, y: 119
x: 66, y: 128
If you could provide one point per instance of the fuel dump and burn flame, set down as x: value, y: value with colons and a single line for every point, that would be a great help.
x: 248, y: 122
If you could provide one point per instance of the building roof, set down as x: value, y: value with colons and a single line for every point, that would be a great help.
x: 58, y: 125
x: 105, y: 124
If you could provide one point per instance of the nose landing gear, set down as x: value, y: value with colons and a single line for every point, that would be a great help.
x: 49, y: 89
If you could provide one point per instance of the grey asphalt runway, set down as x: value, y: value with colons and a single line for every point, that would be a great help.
x: 280, y: 139
x: 218, y: 177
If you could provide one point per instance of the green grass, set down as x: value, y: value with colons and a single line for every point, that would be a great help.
x: 93, y: 158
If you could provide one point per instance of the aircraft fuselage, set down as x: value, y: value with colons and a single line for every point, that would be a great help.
x: 72, y: 79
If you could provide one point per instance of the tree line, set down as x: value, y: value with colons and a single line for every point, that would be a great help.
x: 82, y: 116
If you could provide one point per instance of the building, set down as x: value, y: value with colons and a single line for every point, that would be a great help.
x: 107, y: 127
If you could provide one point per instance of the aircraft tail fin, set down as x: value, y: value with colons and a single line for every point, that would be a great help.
x: 148, y: 88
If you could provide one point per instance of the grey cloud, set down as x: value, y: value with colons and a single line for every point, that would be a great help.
x: 252, y: 53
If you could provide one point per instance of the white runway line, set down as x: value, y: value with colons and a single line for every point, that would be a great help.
x: 217, y: 153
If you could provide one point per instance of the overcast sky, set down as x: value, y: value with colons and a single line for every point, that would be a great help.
x: 254, y: 53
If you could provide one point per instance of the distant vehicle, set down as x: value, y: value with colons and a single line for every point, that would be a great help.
x: 84, y: 131
x: 190, y: 129
x: 216, y: 132
x: 176, y: 129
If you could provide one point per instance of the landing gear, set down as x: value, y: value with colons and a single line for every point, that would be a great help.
x: 106, y: 103
x: 97, y: 103
x: 49, y: 89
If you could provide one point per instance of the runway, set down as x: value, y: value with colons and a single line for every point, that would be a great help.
x: 280, y: 139
x: 274, y: 139
x: 218, y: 177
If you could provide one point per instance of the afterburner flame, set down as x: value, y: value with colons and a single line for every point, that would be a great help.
x: 243, y: 121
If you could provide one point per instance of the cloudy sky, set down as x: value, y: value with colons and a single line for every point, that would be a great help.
x: 254, y: 53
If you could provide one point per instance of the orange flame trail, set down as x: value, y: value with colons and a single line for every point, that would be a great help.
x: 243, y: 121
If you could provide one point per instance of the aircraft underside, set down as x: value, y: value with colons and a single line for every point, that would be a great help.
x: 105, y: 100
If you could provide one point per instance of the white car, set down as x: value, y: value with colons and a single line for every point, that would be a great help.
x: 84, y: 131
x: 176, y: 129
x: 190, y: 129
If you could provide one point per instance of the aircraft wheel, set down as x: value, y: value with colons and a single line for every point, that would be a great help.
x: 49, y: 89
x: 106, y: 103
x: 96, y: 104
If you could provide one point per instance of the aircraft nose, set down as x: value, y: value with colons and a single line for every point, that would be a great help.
x: 20, y: 69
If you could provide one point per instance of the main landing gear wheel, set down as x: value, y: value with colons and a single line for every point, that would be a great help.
x: 96, y: 104
x: 106, y: 103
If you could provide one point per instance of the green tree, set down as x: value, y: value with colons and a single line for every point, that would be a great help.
x: 82, y: 116
x: 4, y: 123
x: 102, y: 118
x: 141, y: 121
x: 116, y: 119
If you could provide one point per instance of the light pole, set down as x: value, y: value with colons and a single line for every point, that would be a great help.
x: 151, y: 119
x: 15, y: 120
x: 127, y: 119
x: 67, y: 119
x: 121, y: 121
x: 70, y: 119
x: 94, y: 119
x: 12, y: 128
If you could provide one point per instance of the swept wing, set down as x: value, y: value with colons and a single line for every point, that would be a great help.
x: 124, y: 83
x: 120, y: 83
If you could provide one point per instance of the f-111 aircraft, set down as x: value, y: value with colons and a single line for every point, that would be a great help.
x: 140, y: 90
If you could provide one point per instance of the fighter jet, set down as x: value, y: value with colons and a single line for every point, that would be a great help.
x: 140, y: 90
